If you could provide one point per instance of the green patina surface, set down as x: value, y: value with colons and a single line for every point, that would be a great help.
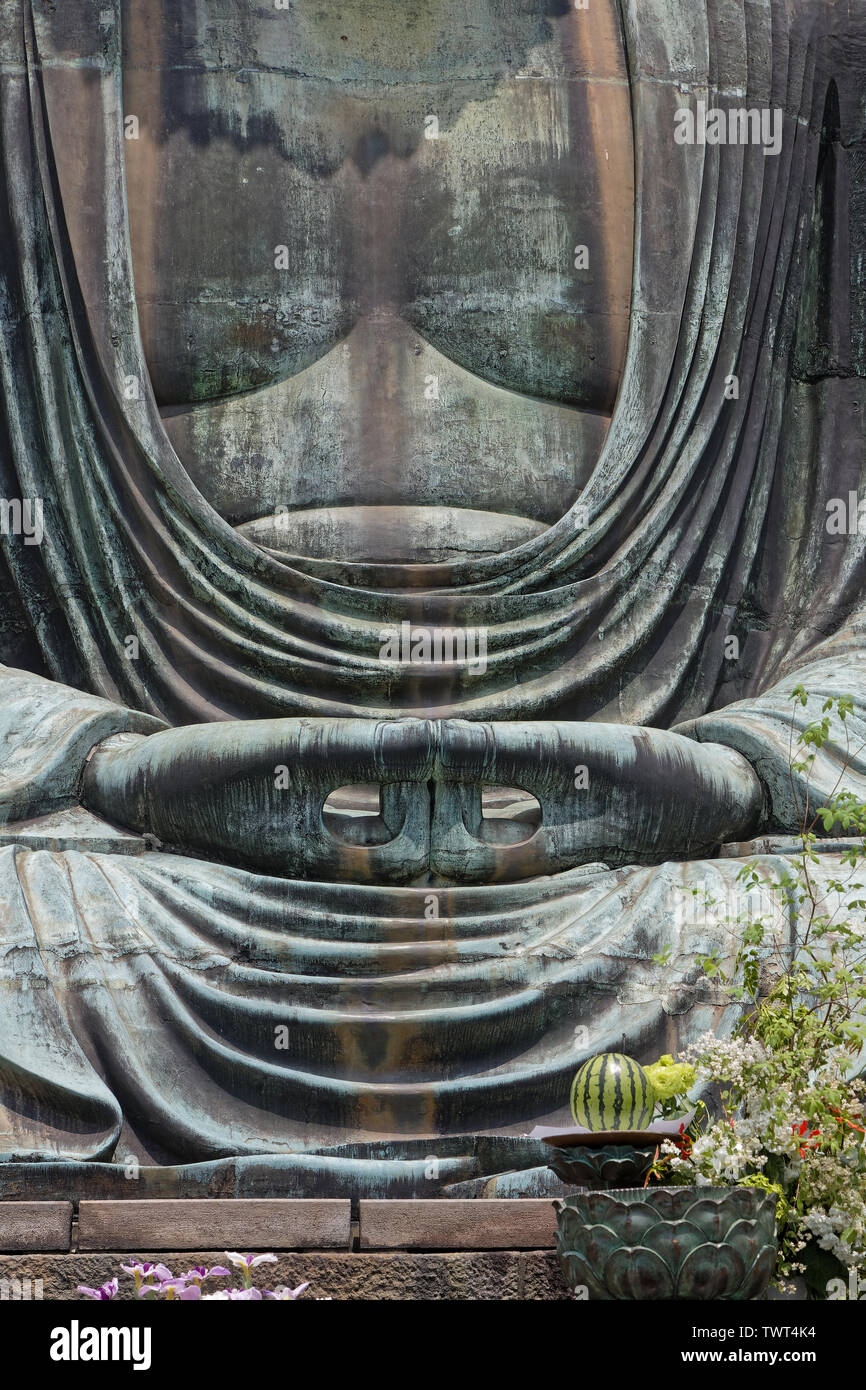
x: 259, y: 994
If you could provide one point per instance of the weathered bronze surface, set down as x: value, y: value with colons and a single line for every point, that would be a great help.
x: 417, y: 468
x: 668, y: 1243
x: 612, y: 1165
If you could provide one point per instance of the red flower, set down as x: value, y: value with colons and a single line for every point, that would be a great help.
x: 683, y: 1142
x: 801, y: 1131
x: 837, y: 1114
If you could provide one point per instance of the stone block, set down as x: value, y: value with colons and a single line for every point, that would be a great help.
x: 458, y: 1224
x: 35, y: 1226
x: 236, y: 1223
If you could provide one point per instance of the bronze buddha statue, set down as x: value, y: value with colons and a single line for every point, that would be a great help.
x: 433, y: 448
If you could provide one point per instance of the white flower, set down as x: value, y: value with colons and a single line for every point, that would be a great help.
x: 249, y: 1261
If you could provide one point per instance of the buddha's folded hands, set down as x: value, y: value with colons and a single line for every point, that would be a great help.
x: 254, y: 793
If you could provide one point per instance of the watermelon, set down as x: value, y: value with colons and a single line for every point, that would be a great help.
x: 610, y: 1092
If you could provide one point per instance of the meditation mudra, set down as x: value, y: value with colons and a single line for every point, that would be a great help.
x: 432, y: 432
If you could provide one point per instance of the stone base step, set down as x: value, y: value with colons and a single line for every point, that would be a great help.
x: 346, y: 1275
x: 278, y: 1223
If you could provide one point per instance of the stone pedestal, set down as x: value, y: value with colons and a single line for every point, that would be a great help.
x: 405, y: 1250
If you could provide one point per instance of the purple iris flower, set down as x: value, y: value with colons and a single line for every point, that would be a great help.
x: 108, y: 1290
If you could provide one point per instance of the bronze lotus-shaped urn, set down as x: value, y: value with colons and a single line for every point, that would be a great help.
x: 605, y: 1166
x: 668, y: 1243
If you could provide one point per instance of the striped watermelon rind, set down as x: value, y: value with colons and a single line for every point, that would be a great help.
x: 612, y: 1092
